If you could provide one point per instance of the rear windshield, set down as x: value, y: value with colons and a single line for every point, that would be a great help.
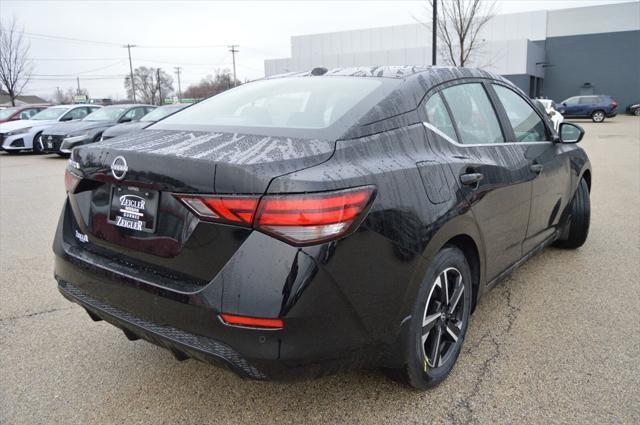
x: 288, y: 103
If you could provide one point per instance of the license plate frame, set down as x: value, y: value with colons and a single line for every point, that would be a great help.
x: 134, y: 208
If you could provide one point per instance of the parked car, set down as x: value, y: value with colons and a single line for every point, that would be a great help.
x: 634, y: 109
x: 549, y: 108
x: 306, y: 223
x: 596, y: 107
x: 16, y: 136
x: 20, y: 112
x: 63, y: 137
x: 153, y: 116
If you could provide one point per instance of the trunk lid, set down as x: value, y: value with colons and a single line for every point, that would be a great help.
x: 160, y: 162
x: 203, y: 162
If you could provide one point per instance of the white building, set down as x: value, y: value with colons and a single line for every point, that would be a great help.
x: 553, y: 53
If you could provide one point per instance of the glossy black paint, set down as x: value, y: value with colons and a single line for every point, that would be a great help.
x: 344, y: 303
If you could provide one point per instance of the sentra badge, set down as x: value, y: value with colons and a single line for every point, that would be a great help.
x: 119, y: 167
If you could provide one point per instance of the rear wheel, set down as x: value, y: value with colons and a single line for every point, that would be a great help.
x: 439, y: 320
x: 598, y: 116
x: 580, y: 215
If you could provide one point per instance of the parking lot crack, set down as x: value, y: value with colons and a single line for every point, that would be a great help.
x: 34, y: 314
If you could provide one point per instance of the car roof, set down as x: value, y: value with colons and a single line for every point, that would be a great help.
x: 128, y: 105
x: 393, y: 71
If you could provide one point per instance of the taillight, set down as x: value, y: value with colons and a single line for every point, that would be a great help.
x: 71, y: 181
x: 313, y: 217
x: 614, y: 104
x: 251, y: 322
x: 237, y: 210
x: 300, y: 219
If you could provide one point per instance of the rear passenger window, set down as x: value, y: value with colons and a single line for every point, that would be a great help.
x: 438, y: 115
x: 473, y: 114
x: 588, y: 100
x: 527, y: 125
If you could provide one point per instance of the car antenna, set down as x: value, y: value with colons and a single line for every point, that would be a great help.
x: 319, y: 71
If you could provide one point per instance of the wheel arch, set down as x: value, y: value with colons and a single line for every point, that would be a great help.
x: 463, y: 233
x: 586, y: 175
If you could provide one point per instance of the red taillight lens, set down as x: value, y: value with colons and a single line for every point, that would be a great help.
x: 237, y: 210
x: 313, y: 217
x: 252, y: 322
x: 71, y: 181
x: 301, y: 219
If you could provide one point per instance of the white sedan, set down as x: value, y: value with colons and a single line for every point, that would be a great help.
x: 16, y: 136
x: 555, y: 116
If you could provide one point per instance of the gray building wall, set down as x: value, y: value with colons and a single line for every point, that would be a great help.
x: 609, y: 61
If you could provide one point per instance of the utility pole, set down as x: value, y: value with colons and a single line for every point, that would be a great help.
x: 78, y: 81
x: 178, y: 69
x: 133, y: 85
x: 159, y: 87
x: 234, y: 49
x: 434, y: 25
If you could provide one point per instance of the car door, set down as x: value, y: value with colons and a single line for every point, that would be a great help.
x: 493, y: 175
x: 549, y: 164
x: 571, y: 107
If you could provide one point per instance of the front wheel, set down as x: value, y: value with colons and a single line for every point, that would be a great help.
x: 37, y: 144
x: 580, y: 215
x: 439, y: 320
x: 597, y: 116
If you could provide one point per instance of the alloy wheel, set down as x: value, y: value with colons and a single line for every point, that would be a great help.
x: 442, y: 319
x: 598, y: 116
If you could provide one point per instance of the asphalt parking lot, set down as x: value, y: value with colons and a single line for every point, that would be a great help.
x: 557, y: 342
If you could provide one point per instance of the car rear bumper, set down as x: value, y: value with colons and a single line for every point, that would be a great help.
x: 323, y: 331
x: 182, y: 344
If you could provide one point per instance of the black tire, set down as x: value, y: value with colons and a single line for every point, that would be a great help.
x: 420, y: 371
x: 637, y: 112
x: 598, y: 116
x: 37, y: 147
x: 580, y: 215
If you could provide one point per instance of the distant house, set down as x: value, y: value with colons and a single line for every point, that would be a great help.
x: 5, y: 100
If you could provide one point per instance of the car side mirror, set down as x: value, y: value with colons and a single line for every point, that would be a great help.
x: 570, y: 133
x: 125, y: 119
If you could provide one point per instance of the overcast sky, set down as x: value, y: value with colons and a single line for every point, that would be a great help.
x: 191, y: 34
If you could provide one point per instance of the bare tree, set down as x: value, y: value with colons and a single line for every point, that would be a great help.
x: 67, y: 97
x: 147, y: 85
x: 211, y: 85
x: 15, y: 68
x: 459, y: 25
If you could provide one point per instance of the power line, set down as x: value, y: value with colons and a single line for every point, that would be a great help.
x: 61, y: 38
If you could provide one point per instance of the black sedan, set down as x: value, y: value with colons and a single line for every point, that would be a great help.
x: 144, y: 122
x: 63, y: 137
x: 303, y: 224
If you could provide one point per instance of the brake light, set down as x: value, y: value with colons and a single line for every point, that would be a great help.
x: 300, y: 219
x: 314, y: 217
x: 252, y: 322
x: 226, y: 209
x: 71, y: 181
x: 614, y: 104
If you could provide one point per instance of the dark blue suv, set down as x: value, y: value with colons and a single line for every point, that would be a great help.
x: 597, y: 107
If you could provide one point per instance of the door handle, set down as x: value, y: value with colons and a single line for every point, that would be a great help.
x: 471, y: 179
x: 536, y: 168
